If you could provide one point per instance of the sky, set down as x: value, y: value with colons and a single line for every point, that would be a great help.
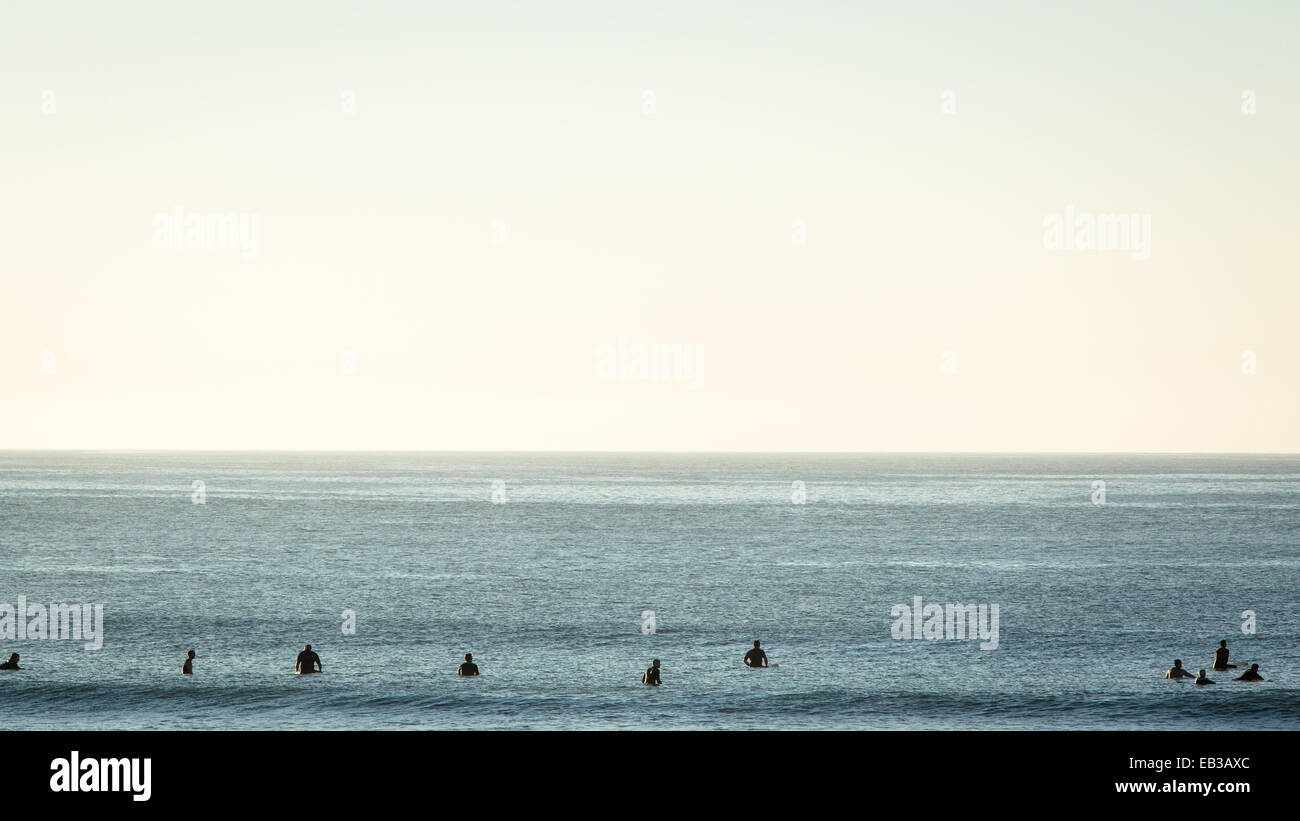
x: 828, y: 225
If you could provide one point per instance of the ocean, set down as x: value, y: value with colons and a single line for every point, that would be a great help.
x: 547, y: 567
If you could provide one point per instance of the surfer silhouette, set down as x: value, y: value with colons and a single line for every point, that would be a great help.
x: 469, y: 668
x: 651, y: 675
x: 756, y: 657
x: 306, y: 661
x: 12, y: 663
x: 188, y: 667
x: 1221, y: 657
x: 1177, y: 671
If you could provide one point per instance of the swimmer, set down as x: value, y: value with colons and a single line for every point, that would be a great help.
x: 1250, y: 675
x: 12, y: 663
x: 1201, y: 678
x: 307, y: 660
x: 469, y: 668
x: 756, y: 657
x: 651, y: 675
x: 1221, y: 657
x: 188, y: 667
x: 1177, y: 671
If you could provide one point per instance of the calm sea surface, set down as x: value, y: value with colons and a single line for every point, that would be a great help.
x: 548, y: 589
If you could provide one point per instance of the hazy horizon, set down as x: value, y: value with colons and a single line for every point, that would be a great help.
x: 582, y: 228
x: 670, y: 452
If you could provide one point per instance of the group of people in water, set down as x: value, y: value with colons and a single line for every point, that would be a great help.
x: 1220, y: 663
x: 309, y: 662
x: 754, y: 658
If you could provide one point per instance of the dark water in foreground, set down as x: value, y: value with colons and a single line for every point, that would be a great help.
x: 548, y: 589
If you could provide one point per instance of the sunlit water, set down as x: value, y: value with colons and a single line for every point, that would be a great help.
x: 548, y: 589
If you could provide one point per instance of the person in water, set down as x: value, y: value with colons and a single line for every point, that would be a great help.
x: 1221, y: 657
x: 307, y: 660
x: 756, y: 657
x: 12, y: 663
x: 1201, y: 678
x: 1250, y: 675
x: 188, y: 667
x: 469, y: 668
x: 1177, y: 671
x: 651, y: 675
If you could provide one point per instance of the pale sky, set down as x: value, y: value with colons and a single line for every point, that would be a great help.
x: 458, y: 205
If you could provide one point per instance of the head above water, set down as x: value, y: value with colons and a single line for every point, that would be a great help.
x: 13, y: 657
x: 308, y: 647
x: 755, y: 643
x: 1178, y: 662
x: 1223, y: 643
x: 469, y: 657
x: 190, y: 654
x: 654, y: 662
x: 1201, y: 673
x: 1254, y: 668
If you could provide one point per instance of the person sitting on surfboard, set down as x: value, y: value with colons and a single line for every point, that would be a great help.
x: 12, y: 663
x: 307, y: 660
x: 188, y: 667
x: 469, y: 668
x: 756, y: 657
x: 1177, y: 671
x: 1221, y: 657
x: 1250, y: 675
x: 651, y: 675
x: 1201, y: 678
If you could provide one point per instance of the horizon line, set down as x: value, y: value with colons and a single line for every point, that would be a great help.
x: 673, y: 452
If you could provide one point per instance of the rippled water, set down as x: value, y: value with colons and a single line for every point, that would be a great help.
x: 547, y: 589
